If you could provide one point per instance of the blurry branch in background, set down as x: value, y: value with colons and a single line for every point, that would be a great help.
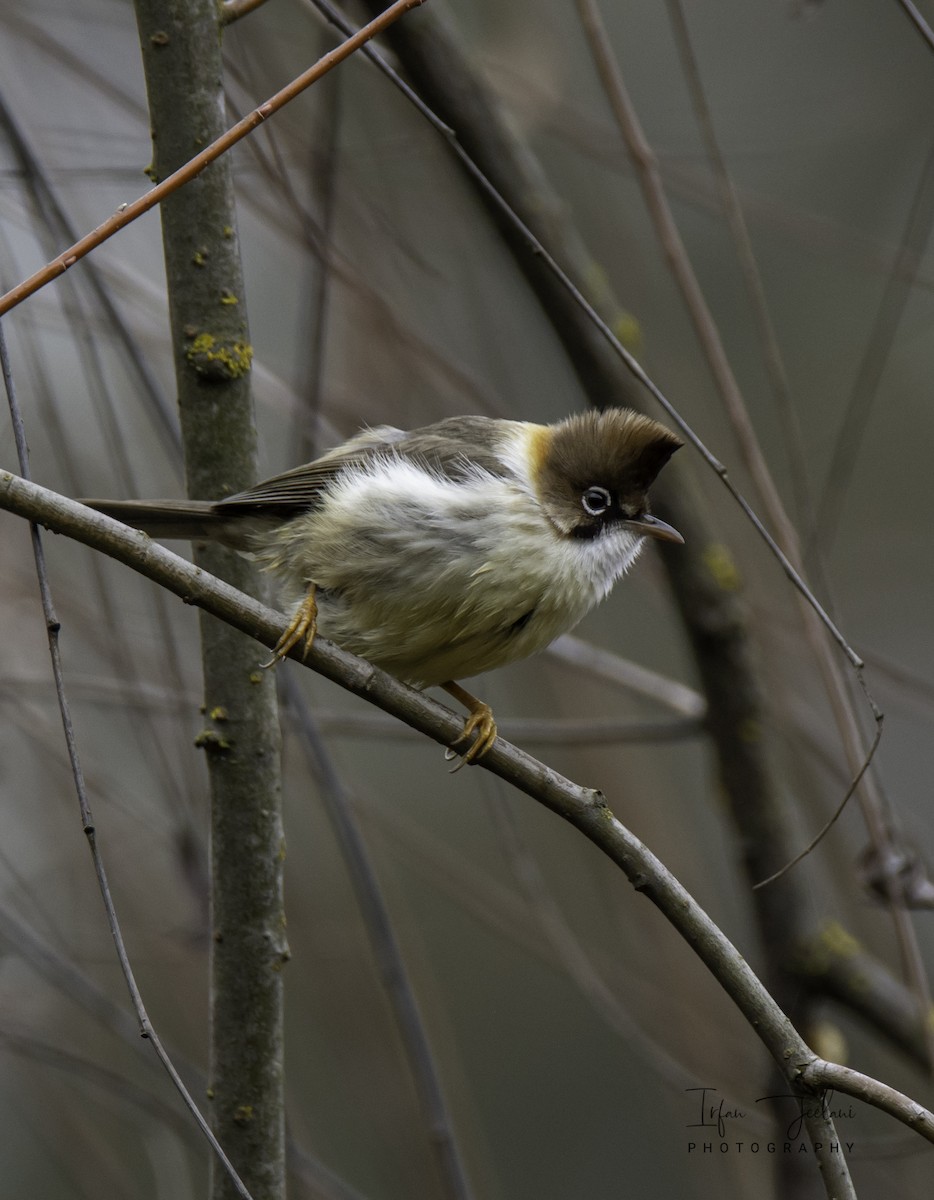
x: 130, y: 212
x: 918, y: 21
x: 323, y: 1182
x: 631, y: 676
x: 570, y: 952
x: 387, y: 954
x: 552, y: 731
x: 125, y: 1091
x: 50, y: 964
x: 752, y: 279
x: 67, y: 978
x: 308, y: 418
x: 833, y: 965
x: 547, y: 731
x: 55, y: 226
x: 87, y: 303
x: 53, y: 627
x: 877, y: 812
x: 812, y: 960
x: 864, y: 394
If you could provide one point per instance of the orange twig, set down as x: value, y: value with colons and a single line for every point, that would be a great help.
x: 128, y: 213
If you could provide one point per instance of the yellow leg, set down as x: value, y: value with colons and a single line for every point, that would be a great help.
x: 302, y: 627
x: 479, y: 726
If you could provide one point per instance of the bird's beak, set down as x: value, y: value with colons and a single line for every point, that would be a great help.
x: 650, y: 526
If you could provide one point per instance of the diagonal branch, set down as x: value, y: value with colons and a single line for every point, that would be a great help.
x: 826, y: 1076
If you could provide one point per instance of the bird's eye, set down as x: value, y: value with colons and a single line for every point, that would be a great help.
x: 596, y: 500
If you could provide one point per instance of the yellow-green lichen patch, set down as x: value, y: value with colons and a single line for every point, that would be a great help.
x: 212, y: 742
x: 218, y: 360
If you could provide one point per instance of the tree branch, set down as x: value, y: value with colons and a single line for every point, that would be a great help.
x: 822, y: 1076
x: 181, y: 52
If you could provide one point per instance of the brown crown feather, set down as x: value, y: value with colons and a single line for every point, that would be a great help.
x: 618, y: 449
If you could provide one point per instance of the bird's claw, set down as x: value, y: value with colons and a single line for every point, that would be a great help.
x: 481, y: 726
x: 302, y: 628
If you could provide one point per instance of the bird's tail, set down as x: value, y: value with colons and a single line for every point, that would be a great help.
x: 191, y: 520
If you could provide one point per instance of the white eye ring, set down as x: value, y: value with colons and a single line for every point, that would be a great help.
x: 596, y: 500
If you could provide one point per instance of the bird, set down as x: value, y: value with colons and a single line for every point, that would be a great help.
x: 447, y: 551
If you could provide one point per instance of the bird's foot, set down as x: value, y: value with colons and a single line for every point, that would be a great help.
x: 480, y: 727
x: 302, y: 628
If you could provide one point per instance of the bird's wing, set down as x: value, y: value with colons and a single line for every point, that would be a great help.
x: 452, y: 448
x: 301, y: 488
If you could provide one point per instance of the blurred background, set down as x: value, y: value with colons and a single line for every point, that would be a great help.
x: 570, y: 1025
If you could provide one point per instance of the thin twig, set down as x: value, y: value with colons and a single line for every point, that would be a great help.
x: 309, y: 414
x: 130, y: 212
x: 876, y: 354
x: 87, y: 822
x: 831, y: 821
x: 59, y: 224
x: 918, y: 21
x: 68, y: 979
x: 745, y: 254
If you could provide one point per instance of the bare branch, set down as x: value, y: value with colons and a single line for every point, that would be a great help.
x: 632, y: 676
x: 915, y: 17
x: 821, y: 1075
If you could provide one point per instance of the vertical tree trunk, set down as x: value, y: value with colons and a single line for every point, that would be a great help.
x: 182, y: 58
